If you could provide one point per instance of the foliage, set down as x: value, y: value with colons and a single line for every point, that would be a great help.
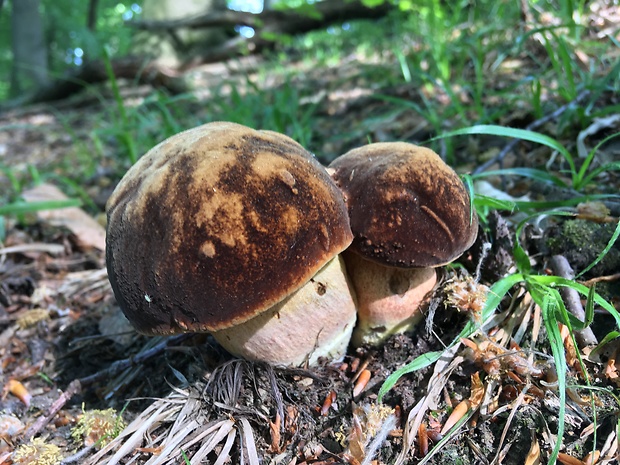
x: 68, y: 39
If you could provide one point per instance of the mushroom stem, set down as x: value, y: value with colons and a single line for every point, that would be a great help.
x: 388, y: 298
x: 316, y: 321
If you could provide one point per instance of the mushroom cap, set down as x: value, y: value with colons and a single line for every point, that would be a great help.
x: 217, y: 224
x: 406, y: 206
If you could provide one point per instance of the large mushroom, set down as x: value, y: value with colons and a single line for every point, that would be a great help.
x: 236, y: 232
x: 409, y: 213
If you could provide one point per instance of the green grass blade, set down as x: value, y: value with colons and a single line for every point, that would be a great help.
x: 604, y: 252
x: 615, y: 166
x: 554, y: 281
x: 548, y: 309
x: 606, y: 340
x: 529, y: 205
x: 469, y: 185
x: 417, y: 364
x: 581, y: 175
x: 19, y: 208
x: 524, y: 134
x: 483, y: 201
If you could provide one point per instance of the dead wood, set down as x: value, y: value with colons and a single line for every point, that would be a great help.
x: 267, y: 25
x: 283, y: 21
x: 94, y: 72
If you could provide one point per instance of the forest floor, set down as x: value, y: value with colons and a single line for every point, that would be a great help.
x: 68, y: 356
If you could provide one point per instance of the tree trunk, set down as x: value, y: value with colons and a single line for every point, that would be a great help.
x: 29, y: 51
x: 91, y: 21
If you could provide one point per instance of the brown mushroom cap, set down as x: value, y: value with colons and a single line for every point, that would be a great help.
x: 217, y: 224
x: 406, y: 206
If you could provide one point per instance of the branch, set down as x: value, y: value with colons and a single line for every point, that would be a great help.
x: 284, y: 22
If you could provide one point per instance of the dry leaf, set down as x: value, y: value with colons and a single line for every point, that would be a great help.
x: 89, y: 234
x: 19, y: 390
x: 533, y: 456
x: 477, y: 390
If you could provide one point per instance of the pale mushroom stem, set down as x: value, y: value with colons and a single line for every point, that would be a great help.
x: 314, y: 322
x: 388, y: 298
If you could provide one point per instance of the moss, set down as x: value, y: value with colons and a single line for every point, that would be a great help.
x: 581, y: 242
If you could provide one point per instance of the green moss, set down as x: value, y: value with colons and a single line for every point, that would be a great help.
x: 581, y: 242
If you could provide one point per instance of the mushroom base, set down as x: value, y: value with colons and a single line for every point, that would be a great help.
x: 388, y: 298
x: 316, y: 321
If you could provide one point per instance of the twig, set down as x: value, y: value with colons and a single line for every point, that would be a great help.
x: 560, y: 267
x: 598, y: 279
x: 78, y: 456
x: 74, y: 388
x: 123, y: 364
x: 533, y: 125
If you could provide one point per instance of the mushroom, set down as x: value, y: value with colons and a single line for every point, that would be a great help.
x: 236, y: 232
x: 409, y: 213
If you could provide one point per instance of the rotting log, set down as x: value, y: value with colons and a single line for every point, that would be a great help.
x: 267, y: 25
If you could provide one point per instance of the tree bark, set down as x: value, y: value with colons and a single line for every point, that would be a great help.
x: 28, y: 45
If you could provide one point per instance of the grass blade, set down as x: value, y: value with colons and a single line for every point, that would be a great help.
x: 524, y: 134
x: 19, y: 208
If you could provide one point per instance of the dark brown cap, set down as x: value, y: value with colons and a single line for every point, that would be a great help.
x: 217, y: 224
x: 407, y: 207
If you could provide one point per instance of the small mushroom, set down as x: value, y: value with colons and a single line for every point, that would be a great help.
x: 236, y: 232
x: 409, y: 213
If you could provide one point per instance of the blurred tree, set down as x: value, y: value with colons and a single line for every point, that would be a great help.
x: 30, y: 64
x: 173, y: 47
x: 91, y: 22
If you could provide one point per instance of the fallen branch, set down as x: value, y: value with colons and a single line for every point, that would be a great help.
x: 74, y: 388
x: 274, y: 21
x: 267, y: 26
x: 560, y: 267
x: 94, y: 72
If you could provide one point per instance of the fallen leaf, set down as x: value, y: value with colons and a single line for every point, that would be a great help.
x: 88, y: 233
